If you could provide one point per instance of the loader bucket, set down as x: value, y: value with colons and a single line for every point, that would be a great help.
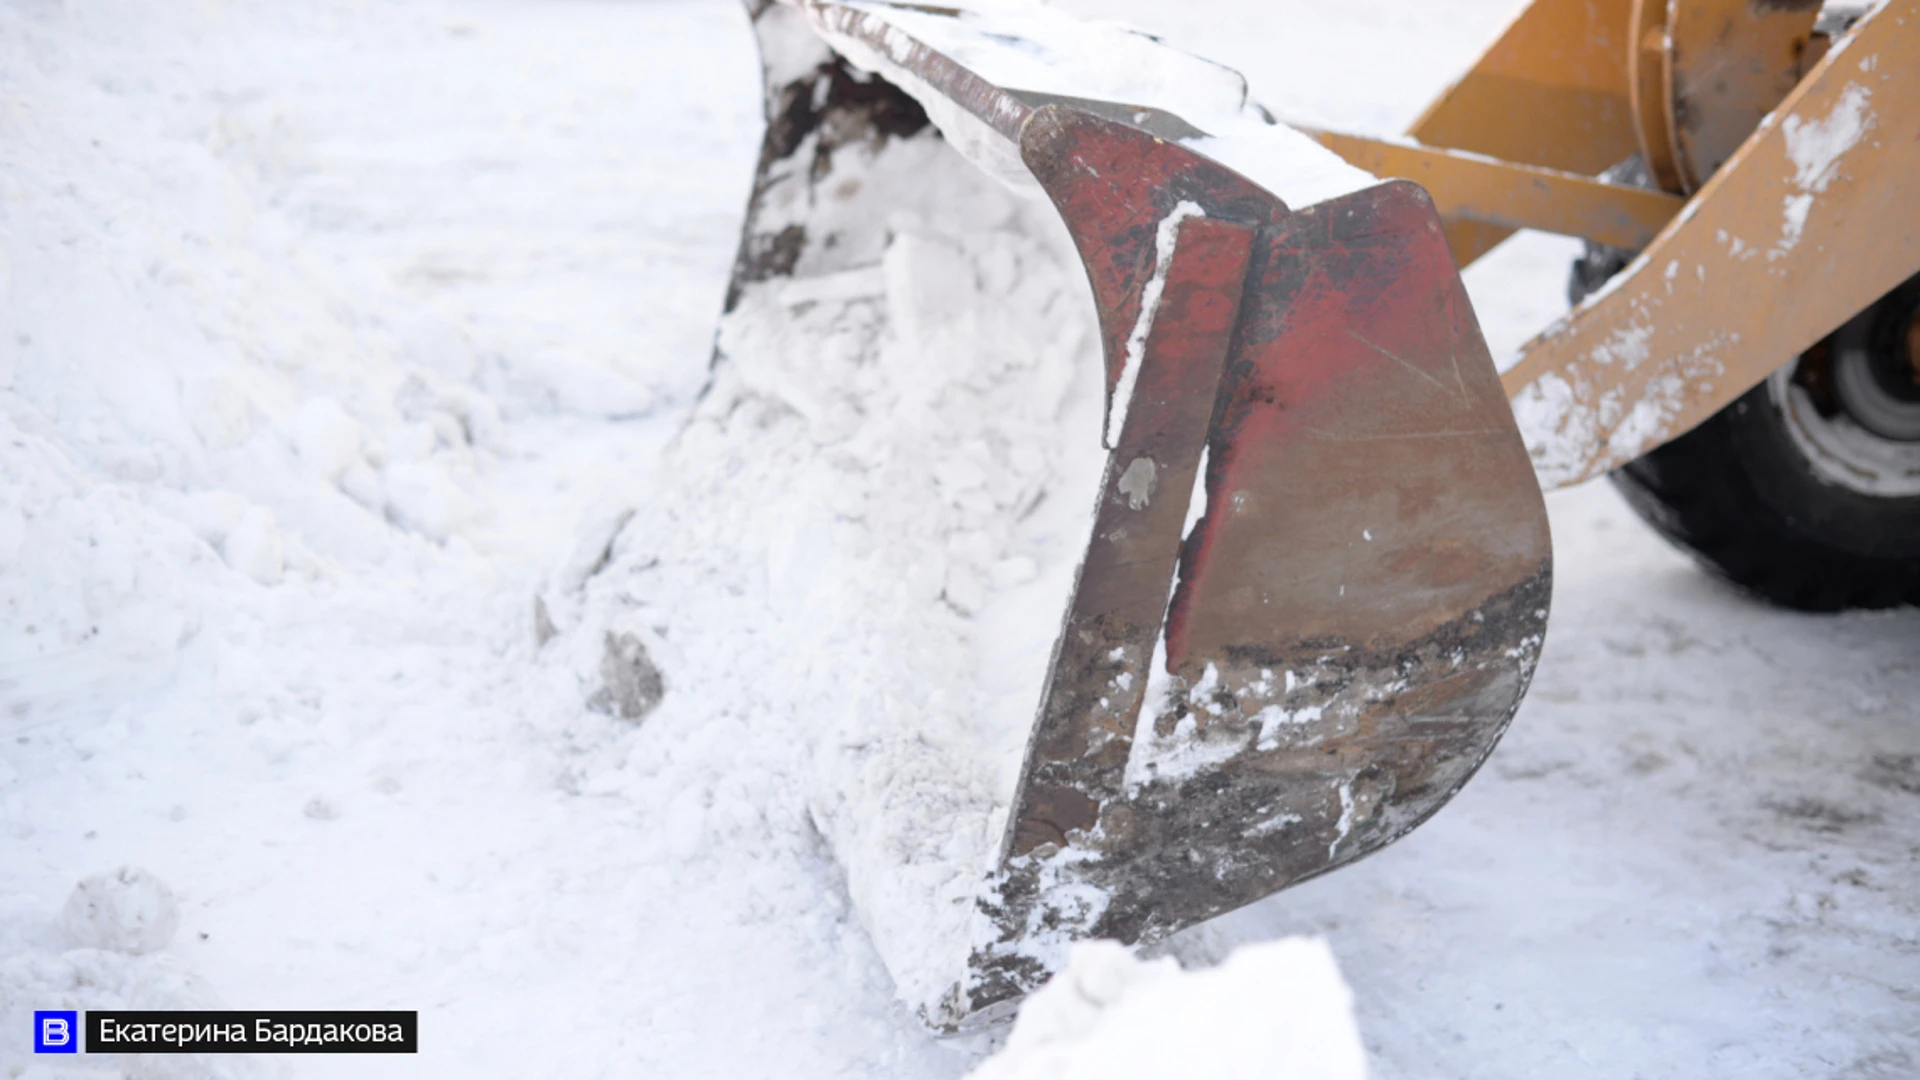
x: 1318, y: 572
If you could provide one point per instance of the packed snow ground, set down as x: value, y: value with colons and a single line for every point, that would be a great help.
x: 332, y: 335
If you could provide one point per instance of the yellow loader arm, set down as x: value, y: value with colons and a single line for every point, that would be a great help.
x: 1774, y: 222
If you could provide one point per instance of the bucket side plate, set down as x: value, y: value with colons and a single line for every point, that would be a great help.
x: 1356, y: 613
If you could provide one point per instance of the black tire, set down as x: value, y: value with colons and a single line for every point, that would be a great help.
x: 1769, y: 492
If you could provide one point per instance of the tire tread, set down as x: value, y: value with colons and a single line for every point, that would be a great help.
x: 1707, y: 493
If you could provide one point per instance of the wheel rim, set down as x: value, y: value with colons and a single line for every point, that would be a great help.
x: 1876, y: 368
x: 1865, y: 434
x: 1841, y: 451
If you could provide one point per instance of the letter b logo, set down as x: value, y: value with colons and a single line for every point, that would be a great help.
x: 56, y: 1031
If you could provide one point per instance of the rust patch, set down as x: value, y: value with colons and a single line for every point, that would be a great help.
x: 1356, y: 614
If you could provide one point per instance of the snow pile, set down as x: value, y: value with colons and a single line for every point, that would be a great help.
x: 128, y: 911
x: 865, y: 536
x: 233, y: 408
x: 104, y: 952
x: 1276, y: 1011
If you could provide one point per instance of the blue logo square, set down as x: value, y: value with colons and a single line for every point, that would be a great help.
x: 56, y: 1031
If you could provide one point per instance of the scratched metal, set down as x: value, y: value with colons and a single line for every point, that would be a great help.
x: 1357, y: 614
x: 1115, y: 187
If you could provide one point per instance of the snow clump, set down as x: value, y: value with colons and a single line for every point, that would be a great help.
x: 128, y: 911
x: 1277, y: 1010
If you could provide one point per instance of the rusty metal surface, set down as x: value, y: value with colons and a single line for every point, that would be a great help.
x: 1362, y: 420
x: 1727, y: 64
x: 1813, y: 218
x: 1100, y: 670
x: 1469, y: 187
x: 1358, y: 610
x: 1113, y: 189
